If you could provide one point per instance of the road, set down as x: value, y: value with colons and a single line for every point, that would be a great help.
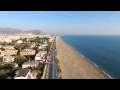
x: 51, y: 67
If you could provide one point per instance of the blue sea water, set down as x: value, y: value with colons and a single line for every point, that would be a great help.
x: 103, y: 50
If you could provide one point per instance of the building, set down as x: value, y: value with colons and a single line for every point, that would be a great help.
x: 27, y: 52
x: 44, y: 45
x: 25, y: 74
x: 19, y: 41
x: 8, y: 47
x: 41, y: 47
x: 33, y: 45
x: 42, y: 53
x: 29, y: 64
x: 22, y: 74
x: 8, y: 58
x: 9, y: 52
x: 40, y: 57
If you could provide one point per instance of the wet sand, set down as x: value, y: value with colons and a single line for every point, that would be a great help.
x: 74, y: 66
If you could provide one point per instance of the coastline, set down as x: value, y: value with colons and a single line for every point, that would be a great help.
x: 81, y: 68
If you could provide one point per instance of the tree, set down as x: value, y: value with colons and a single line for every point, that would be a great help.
x: 19, y: 47
x: 2, y: 72
x: 57, y: 61
x: 1, y: 59
x: 7, y: 70
x: 48, y: 47
x: 20, y: 59
x: 8, y: 66
x: 17, y: 68
x: 25, y: 40
x: 59, y: 72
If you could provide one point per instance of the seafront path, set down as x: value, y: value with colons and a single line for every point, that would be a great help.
x: 50, y: 68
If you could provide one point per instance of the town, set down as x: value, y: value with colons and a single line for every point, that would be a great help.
x: 26, y: 56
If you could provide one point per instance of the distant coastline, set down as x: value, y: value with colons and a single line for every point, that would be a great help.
x: 92, y: 63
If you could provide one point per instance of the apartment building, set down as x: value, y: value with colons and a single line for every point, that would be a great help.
x: 27, y: 52
x: 9, y: 52
x: 8, y: 47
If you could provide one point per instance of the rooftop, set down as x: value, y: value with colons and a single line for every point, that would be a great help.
x: 28, y: 63
x: 25, y: 50
x: 42, y: 52
x: 22, y: 72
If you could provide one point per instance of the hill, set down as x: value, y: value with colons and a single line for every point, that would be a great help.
x: 13, y: 31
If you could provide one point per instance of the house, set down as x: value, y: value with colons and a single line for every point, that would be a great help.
x: 27, y: 52
x: 39, y: 58
x: 40, y: 47
x: 9, y: 52
x: 8, y: 47
x: 22, y: 74
x: 25, y: 74
x: 29, y: 64
x: 19, y: 41
x: 42, y: 53
x: 8, y: 58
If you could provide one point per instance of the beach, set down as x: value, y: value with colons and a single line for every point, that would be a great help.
x: 73, y: 65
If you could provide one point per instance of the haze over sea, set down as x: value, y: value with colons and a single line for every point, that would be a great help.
x: 103, y: 50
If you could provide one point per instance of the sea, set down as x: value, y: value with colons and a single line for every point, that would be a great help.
x: 102, y: 50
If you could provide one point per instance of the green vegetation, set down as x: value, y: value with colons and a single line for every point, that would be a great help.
x: 1, y: 60
x: 41, y: 68
x: 7, y: 71
x: 59, y: 71
x: 20, y: 59
x: 19, y: 47
x: 48, y: 47
x: 39, y: 40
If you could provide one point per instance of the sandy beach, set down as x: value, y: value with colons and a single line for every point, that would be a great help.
x: 73, y: 65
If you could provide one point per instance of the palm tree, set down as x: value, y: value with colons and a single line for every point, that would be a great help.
x: 59, y: 71
x: 19, y: 47
x: 57, y: 61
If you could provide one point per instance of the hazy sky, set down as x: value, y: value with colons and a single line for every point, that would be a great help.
x: 63, y: 22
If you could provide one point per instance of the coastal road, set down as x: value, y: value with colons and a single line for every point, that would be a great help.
x: 51, y: 67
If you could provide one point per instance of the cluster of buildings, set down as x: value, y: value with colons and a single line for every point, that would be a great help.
x: 9, y: 53
x: 8, y: 38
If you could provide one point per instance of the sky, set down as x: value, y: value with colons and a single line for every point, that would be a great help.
x: 63, y: 22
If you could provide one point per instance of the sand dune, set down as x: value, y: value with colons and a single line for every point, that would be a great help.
x: 75, y: 66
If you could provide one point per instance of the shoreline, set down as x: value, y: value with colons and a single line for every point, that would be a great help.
x: 101, y: 73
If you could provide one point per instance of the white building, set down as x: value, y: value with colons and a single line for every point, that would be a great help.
x: 8, y: 58
x: 39, y: 58
x: 40, y: 47
x: 19, y: 41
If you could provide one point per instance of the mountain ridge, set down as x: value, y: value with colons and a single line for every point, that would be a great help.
x: 13, y: 31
